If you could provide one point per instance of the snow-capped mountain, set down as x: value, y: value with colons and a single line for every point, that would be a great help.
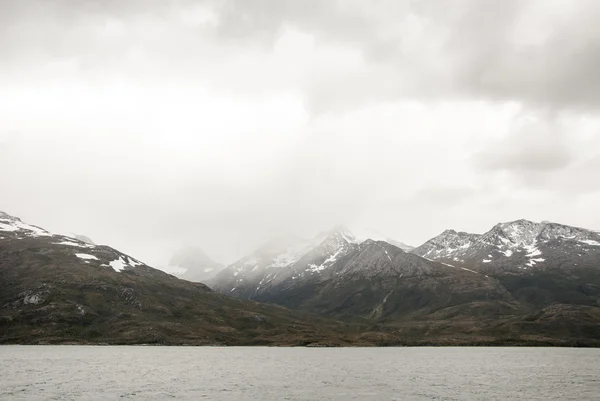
x: 192, y: 264
x: 57, y: 289
x: 291, y: 260
x: 340, y: 274
x: 363, y: 234
x: 12, y: 228
x: 516, y: 245
x: 83, y: 238
x: 285, y: 259
x: 521, y: 280
x: 449, y: 245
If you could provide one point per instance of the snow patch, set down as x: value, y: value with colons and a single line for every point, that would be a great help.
x: 328, y: 262
x: 532, y: 262
x: 133, y: 262
x: 486, y: 260
x: 77, y: 244
x: 590, y: 242
x: 85, y: 256
x: 13, y: 225
x: 7, y: 227
x: 532, y: 251
x: 118, y: 264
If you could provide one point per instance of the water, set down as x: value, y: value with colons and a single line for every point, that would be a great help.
x: 215, y: 373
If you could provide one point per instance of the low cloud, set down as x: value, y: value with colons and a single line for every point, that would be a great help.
x: 536, y: 145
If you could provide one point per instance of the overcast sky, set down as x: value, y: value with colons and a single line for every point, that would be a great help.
x: 149, y: 125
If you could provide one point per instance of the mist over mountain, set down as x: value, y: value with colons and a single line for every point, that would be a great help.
x: 84, y: 238
x: 59, y: 289
x: 521, y: 282
x: 192, y: 264
x: 545, y: 273
x: 302, y: 173
x: 190, y: 134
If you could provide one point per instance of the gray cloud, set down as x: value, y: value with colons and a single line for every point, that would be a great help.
x: 148, y: 125
x: 534, y: 147
x: 445, y: 196
x: 528, y: 51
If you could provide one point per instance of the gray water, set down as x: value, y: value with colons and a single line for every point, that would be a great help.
x: 258, y: 373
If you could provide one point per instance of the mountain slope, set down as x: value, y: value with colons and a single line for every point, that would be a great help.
x: 539, y: 263
x: 285, y: 260
x: 338, y: 275
x: 56, y: 289
x: 380, y: 282
x: 516, y: 245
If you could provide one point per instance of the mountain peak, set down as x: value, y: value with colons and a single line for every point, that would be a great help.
x: 6, y: 216
x: 519, y: 232
x: 16, y: 227
x: 446, y: 244
x: 193, y: 264
x: 342, y: 232
x: 83, y: 238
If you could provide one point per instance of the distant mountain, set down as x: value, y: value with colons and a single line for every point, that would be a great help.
x: 363, y: 234
x: 284, y: 259
x: 83, y: 238
x: 447, y: 246
x: 291, y: 259
x: 540, y: 263
x: 455, y: 286
x: 337, y: 274
x: 192, y: 264
x: 516, y: 246
x: 58, y: 289
x: 520, y: 283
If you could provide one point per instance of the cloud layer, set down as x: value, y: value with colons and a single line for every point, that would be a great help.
x: 150, y: 125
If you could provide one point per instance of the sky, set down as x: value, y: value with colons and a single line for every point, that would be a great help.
x: 153, y: 125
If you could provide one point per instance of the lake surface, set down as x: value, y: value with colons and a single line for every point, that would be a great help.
x: 260, y: 373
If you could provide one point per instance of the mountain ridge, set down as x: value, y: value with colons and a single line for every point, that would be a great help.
x: 335, y: 289
x: 56, y: 289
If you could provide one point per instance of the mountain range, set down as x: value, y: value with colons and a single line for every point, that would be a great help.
x: 59, y: 289
x: 519, y: 283
x: 519, y: 277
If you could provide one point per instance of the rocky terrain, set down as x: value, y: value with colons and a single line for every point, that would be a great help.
x: 541, y: 264
x: 334, y: 289
x: 496, y: 284
x: 337, y: 275
x: 57, y: 289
